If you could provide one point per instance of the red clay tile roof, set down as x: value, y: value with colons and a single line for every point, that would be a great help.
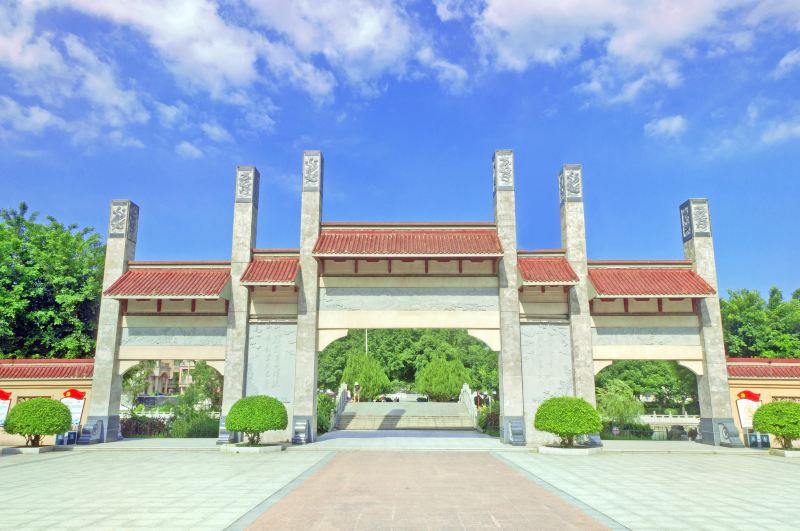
x: 45, y: 369
x: 410, y: 242
x: 546, y: 270
x: 630, y: 281
x: 764, y: 368
x: 157, y: 283
x: 278, y: 271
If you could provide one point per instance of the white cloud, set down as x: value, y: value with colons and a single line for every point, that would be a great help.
x: 171, y: 115
x: 24, y: 119
x: 216, y: 132
x: 121, y: 139
x: 788, y: 62
x: 781, y: 131
x: 667, y: 127
x: 451, y: 76
x: 448, y: 10
x: 188, y: 150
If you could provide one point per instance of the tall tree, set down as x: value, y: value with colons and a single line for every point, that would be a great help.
x: 50, y: 283
x: 757, y: 328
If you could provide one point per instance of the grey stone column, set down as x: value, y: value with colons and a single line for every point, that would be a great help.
x: 512, y: 424
x: 716, y: 418
x: 573, y: 239
x: 304, y: 406
x: 102, y: 423
x: 245, y: 214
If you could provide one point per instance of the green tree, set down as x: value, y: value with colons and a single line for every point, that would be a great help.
x: 253, y: 415
x: 50, y: 283
x: 362, y: 367
x: 441, y: 379
x: 617, y: 403
x: 660, y: 379
x: 756, y: 328
x: 37, y: 417
x: 135, y: 382
x: 781, y: 419
x: 567, y: 417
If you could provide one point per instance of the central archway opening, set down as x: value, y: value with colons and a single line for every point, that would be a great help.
x: 408, y: 378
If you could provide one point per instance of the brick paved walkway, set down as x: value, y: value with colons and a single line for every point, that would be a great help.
x: 454, y: 490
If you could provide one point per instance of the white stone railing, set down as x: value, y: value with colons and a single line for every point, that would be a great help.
x: 669, y: 420
x: 466, y: 398
x: 341, y: 403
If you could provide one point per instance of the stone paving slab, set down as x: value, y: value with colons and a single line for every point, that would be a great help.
x: 407, y: 440
x: 395, y: 490
x: 674, y: 491
x: 153, y: 489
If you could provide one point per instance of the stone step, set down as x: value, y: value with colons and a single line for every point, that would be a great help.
x: 398, y: 422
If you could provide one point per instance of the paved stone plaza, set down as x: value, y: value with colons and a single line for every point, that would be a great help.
x: 185, y: 487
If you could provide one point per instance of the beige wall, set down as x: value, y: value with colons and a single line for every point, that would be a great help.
x: 769, y: 389
x: 47, y: 388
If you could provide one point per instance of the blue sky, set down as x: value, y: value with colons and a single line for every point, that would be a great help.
x: 659, y: 100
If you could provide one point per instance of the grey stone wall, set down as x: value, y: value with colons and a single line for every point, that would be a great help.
x: 646, y: 336
x: 178, y: 336
x: 386, y: 299
x: 546, y: 370
x: 271, y: 359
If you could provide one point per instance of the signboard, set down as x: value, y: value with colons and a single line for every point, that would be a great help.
x: 747, y: 403
x: 5, y: 405
x: 74, y: 400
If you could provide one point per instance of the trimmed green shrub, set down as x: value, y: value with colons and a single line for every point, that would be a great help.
x: 253, y: 415
x: 362, y: 367
x: 781, y: 419
x: 141, y: 426
x: 197, y: 426
x: 37, y: 417
x: 325, y: 405
x: 441, y: 380
x: 567, y: 417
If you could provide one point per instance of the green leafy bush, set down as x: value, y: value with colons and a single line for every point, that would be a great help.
x: 325, y: 405
x: 567, y: 417
x: 781, y: 419
x: 441, y: 380
x: 141, y: 426
x: 198, y: 426
x: 627, y: 431
x: 363, y: 368
x: 37, y: 417
x: 253, y: 415
x: 489, y: 418
x: 617, y: 403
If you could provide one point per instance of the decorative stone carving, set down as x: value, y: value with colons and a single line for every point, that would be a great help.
x: 245, y: 178
x: 119, y: 217
x: 312, y: 167
x: 570, y: 183
x: 695, y: 220
x: 133, y: 222
x: 503, y: 170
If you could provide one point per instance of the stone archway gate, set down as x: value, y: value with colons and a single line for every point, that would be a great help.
x: 554, y: 317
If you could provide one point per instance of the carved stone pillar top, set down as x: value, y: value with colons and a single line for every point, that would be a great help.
x: 247, y: 180
x: 695, y: 219
x: 123, y: 221
x: 503, y: 169
x: 570, y: 183
x: 312, y: 170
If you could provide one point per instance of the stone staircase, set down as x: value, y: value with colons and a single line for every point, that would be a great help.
x: 405, y: 416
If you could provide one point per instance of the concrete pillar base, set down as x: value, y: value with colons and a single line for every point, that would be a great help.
x: 720, y: 432
x: 225, y: 436
x: 302, y: 429
x: 513, y: 430
x: 100, y: 429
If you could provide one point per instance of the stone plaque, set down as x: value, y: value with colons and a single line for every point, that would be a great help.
x: 570, y: 183
x: 695, y: 219
x: 123, y: 221
x: 312, y: 170
x: 245, y: 184
x: 504, y: 170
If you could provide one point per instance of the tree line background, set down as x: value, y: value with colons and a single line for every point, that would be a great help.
x: 51, y: 278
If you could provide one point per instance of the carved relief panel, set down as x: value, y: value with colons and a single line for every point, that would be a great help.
x: 246, y: 184
x: 123, y: 220
x: 312, y: 170
x: 504, y: 170
x: 695, y: 219
x: 570, y: 183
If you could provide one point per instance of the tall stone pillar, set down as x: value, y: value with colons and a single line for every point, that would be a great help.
x: 716, y: 418
x: 304, y: 407
x: 103, y: 422
x: 512, y: 424
x: 245, y: 214
x: 573, y: 239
